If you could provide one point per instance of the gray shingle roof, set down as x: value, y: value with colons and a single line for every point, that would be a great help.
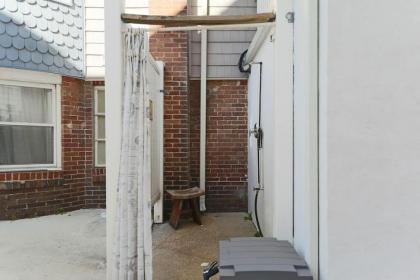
x: 42, y: 35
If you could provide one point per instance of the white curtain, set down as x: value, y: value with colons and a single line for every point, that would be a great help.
x: 26, y: 144
x: 133, y: 242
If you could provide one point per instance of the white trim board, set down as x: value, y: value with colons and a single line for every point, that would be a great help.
x: 19, y: 75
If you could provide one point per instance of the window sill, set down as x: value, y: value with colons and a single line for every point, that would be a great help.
x: 29, y: 169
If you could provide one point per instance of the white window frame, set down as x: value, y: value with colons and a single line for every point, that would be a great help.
x: 96, y: 115
x: 24, y: 78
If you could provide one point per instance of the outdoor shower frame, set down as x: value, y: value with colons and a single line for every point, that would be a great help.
x: 282, y: 216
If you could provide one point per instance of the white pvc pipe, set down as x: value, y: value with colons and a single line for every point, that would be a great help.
x: 202, y: 27
x: 203, y: 111
x: 256, y: 43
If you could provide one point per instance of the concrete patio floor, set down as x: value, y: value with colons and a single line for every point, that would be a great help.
x: 178, y: 254
x: 72, y: 246
x: 57, y: 247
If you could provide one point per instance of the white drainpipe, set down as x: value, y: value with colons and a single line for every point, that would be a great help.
x: 203, y: 110
x: 203, y: 107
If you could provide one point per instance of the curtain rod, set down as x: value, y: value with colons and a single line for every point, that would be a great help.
x: 199, y: 27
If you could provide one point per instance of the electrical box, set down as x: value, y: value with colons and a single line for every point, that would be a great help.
x: 262, y: 259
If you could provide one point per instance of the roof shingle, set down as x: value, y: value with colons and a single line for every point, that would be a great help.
x: 42, y: 35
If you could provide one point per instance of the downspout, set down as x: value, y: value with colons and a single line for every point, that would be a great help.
x: 203, y: 109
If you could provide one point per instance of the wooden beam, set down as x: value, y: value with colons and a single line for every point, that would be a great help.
x: 175, y: 21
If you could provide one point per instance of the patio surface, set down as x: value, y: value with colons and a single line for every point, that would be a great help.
x: 57, y: 247
x: 179, y: 253
x: 72, y: 246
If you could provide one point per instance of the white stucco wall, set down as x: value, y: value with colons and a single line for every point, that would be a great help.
x: 306, y: 132
x: 276, y: 200
x: 370, y: 139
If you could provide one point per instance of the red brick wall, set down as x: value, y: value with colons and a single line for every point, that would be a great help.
x: 36, y: 193
x: 95, y: 191
x: 172, y: 48
x: 227, y: 123
x: 227, y: 143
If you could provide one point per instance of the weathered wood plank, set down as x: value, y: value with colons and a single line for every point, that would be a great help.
x: 174, y: 21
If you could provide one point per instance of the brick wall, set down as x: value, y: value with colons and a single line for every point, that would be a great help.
x: 172, y: 48
x: 227, y: 123
x: 36, y: 193
x: 227, y: 143
x: 96, y: 191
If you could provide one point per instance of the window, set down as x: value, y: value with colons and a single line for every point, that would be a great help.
x: 29, y: 136
x: 100, y: 126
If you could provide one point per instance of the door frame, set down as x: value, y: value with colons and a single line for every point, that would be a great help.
x: 157, y: 98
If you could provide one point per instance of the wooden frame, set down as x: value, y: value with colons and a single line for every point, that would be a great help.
x: 96, y: 116
x: 55, y: 125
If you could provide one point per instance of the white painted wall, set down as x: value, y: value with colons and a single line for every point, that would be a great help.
x: 276, y: 201
x: 290, y: 161
x: 267, y: 156
x: 369, y: 139
x: 306, y: 132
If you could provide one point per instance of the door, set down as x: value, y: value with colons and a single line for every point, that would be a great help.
x: 155, y: 87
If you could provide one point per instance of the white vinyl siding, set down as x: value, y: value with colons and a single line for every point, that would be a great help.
x: 224, y: 46
x: 265, y: 6
x: 30, y: 123
x: 95, y: 35
x: 94, y: 39
x: 100, y: 141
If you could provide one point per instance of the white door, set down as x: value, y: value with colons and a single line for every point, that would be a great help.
x: 155, y: 87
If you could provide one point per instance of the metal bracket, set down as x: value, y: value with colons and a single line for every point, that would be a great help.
x: 290, y: 16
x: 258, y: 134
x: 163, y: 91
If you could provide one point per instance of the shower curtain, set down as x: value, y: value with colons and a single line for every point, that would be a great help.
x: 133, y: 240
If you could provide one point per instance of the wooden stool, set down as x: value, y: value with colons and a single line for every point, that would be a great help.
x: 178, y: 197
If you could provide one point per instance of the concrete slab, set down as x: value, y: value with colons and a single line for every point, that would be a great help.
x: 72, y: 246
x: 178, y: 254
x: 66, y: 247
